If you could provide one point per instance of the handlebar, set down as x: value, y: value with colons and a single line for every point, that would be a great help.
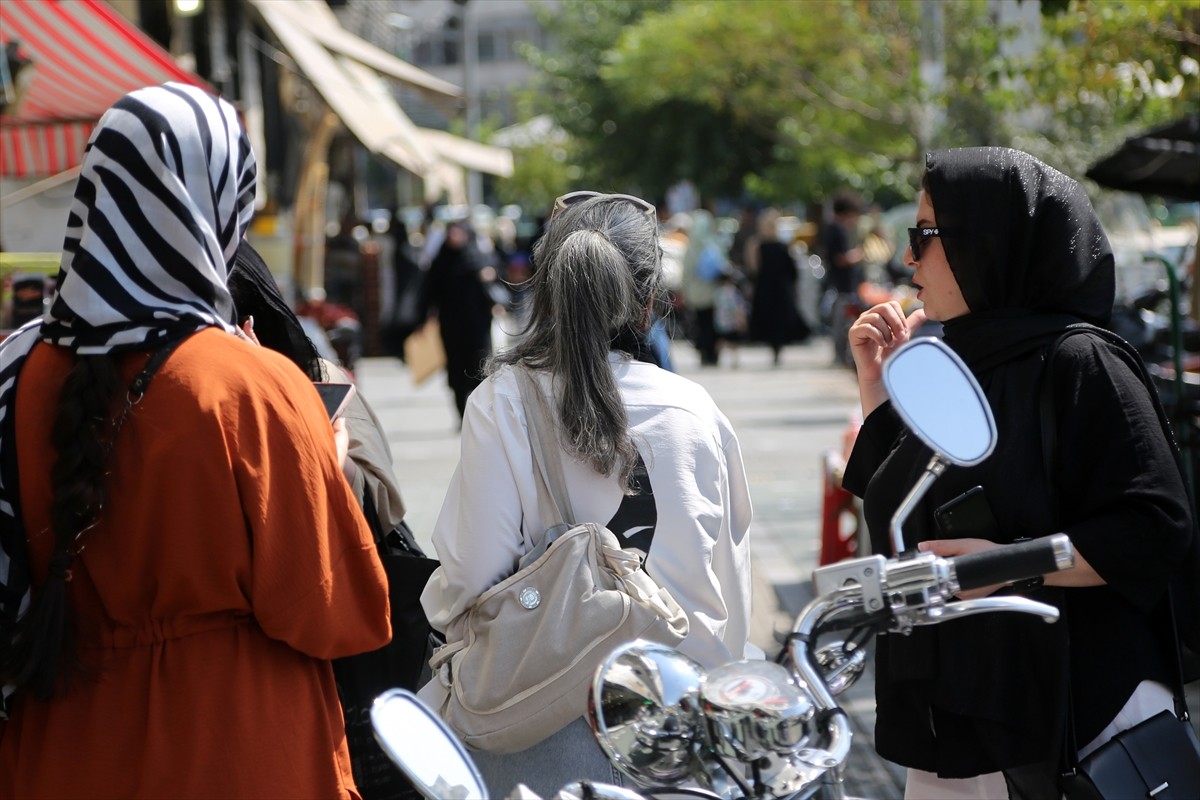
x: 1014, y: 562
x: 897, y: 594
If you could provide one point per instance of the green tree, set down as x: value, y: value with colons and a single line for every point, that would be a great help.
x: 791, y: 100
x: 1106, y: 70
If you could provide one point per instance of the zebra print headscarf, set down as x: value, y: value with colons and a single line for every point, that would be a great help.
x: 165, y: 193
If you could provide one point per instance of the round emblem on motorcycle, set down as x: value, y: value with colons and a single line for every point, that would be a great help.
x: 530, y: 597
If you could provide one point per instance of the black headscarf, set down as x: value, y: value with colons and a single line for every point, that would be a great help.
x: 1026, y: 248
x: 255, y: 294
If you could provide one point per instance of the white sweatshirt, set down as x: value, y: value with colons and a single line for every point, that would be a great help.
x: 701, y: 547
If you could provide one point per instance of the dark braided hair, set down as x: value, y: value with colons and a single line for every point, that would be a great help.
x: 43, y: 650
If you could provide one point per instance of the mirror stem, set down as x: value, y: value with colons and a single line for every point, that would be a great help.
x: 933, y: 471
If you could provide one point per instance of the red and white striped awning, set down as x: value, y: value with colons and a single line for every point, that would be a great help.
x: 85, y: 57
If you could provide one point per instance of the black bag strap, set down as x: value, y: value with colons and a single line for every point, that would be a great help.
x: 137, y: 388
x: 139, y: 384
x: 1049, y: 431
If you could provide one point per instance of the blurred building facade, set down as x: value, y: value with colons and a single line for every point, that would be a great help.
x: 433, y: 35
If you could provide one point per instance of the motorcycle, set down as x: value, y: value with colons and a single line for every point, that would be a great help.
x: 761, y: 730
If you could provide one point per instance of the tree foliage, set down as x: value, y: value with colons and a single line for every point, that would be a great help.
x: 792, y: 100
x: 1107, y: 70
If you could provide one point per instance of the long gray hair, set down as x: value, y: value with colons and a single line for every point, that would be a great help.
x: 599, y: 272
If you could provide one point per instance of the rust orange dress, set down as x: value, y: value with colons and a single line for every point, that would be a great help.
x: 231, y: 563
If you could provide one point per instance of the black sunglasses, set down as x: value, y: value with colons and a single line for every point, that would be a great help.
x: 572, y: 198
x: 917, y: 238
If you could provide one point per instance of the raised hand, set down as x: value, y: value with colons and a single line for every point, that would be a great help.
x: 873, y: 337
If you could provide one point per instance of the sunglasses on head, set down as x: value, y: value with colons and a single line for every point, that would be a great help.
x: 572, y: 198
x: 917, y: 238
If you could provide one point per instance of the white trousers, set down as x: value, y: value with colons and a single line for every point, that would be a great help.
x: 1148, y: 699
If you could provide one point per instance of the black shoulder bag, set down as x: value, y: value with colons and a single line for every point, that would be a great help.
x: 1160, y: 756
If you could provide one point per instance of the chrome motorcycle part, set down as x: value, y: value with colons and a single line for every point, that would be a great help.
x: 840, y: 667
x: 865, y: 573
x: 753, y: 709
x: 984, y: 605
x: 644, y: 709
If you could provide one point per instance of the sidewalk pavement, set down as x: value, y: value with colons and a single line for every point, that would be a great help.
x: 785, y: 418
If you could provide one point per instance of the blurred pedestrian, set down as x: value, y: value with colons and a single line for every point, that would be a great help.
x: 774, y: 318
x: 745, y: 241
x: 182, y: 552
x: 730, y: 315
x: 703, y: 263
x: 844, y: 261
x: 407, y: 278
x: 456, y: 293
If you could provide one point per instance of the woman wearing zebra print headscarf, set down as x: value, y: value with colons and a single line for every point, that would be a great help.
x: 179, y: 560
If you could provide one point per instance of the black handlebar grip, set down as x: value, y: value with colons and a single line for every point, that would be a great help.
x: 1014, y: 562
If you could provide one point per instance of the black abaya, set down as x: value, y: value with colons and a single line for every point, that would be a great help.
x: 987, y: 693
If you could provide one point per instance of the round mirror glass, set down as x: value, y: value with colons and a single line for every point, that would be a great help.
x: 936, y: 395
x: 644, y: 708
x: 424, y: 748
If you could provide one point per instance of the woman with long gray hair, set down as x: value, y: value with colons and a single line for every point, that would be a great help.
x: 646, y: 451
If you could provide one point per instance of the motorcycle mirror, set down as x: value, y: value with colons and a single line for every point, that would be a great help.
x: 423, y: 748
x: 939, y: 399
x: 644, y: 709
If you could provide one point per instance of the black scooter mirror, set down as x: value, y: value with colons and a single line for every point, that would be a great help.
x: 939, y: 399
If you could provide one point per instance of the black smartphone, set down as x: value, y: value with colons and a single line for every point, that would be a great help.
x: 336, y: 396
x: 967, y: 516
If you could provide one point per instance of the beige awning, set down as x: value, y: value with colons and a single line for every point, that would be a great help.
x: 324, y: 25
x: 364, y: 106
x: 317, y: 20
x: 469, y: 154
x: 346, y: 71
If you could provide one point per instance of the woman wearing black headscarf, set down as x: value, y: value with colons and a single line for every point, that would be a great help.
x: 266, y: 317
x: 1008, y: 254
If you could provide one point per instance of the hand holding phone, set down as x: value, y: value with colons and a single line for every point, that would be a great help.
x: 967, y: 516
x: 336, y: 397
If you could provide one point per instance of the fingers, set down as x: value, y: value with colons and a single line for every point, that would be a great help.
x: 948, y: 548
x: 915, y: 320
x: 943, y: 548
x: 248, y: 329
x: 883, y: 324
